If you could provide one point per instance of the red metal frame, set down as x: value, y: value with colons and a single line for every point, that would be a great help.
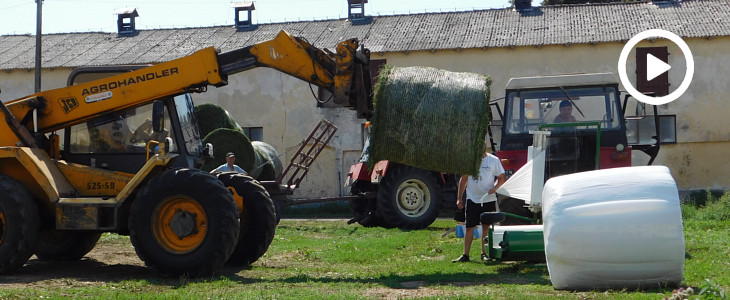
x: 307, y: 153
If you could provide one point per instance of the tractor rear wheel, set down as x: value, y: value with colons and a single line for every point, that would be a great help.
x: 63, y: 246
x: 409, y: 198
x: 184, y: 221
x: 258, y: 220
x: 19, y: 224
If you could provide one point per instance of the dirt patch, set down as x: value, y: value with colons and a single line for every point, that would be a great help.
x: 420, y: 292
x: 107, y: 262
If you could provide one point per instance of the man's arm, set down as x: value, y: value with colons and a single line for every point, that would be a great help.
x: 215, y: 170
x: 499, y: 172
x: 240, y: 170
x: 460, y: 190
x: 500, y: 180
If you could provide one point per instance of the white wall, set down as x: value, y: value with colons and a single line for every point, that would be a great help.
x: 286, y: 109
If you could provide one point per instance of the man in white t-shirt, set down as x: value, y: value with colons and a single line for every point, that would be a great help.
x: 480, y: 197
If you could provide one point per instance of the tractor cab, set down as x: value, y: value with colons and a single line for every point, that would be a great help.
x: 586, y: 120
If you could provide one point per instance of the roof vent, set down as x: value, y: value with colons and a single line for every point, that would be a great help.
x: 356, y: 12
x: 125, y: 20
x: 523, y: 4
x: 243, y: 11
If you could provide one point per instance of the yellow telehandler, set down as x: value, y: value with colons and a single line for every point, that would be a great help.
x: 130, y: 151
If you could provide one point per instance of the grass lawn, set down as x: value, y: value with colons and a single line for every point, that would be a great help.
x: 330, y: 259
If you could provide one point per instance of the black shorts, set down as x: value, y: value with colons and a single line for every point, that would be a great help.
x: 473, y: 210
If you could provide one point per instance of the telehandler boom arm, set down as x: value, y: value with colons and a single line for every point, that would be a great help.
x: 344, y: 74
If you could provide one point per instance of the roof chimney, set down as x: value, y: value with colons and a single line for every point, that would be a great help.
x: 243, y: 21
x: 125, y: 20
x: 356, y: 12
x: 523, y: 4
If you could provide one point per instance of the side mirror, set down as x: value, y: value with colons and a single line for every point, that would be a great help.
x: 208, y: 150
x: 546, y: 104
x: 158, y: 116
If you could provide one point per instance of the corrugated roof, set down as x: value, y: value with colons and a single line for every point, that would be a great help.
x: 550, y: 25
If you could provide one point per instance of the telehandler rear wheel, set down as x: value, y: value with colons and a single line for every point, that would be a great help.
x: 19, y: 224
x: 184, y: 221
x: 258, y: 220
x: 63, y: 246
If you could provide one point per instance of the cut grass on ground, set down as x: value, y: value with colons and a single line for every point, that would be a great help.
x: 330, y: 259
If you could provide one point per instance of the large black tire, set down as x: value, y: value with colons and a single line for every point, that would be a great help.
x: 514, y: 206
x: 19, y: 224
x: 277, y: 212
x: 65, y: 246
x: 258, y: 221
x: 409, y: 198
x: 184, y: 221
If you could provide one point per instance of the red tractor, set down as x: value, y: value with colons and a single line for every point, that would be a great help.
x: 597, y: 135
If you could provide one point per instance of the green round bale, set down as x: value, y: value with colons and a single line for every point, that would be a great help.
x: 266, y: 169
x: 271, y: 154
x: 211, y: 117
x: 226, y: 140
x: 259, y: 160
x: 430, y: 118
x: 271, y: 166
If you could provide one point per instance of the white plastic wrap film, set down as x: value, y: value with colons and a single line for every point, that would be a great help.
x: 615, y: 228
x: 521, y: 184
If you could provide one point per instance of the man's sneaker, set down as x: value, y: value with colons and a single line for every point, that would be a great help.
x: 462, y: 258
x: 485, y: 257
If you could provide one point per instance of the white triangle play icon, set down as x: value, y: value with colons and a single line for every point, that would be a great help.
x: 655, y: 67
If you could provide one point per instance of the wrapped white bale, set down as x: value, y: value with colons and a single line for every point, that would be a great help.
x: 613, y: 229
x: 430, y: 119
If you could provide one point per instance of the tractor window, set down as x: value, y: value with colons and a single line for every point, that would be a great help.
x: 126, y: 132
x: 527, y: 110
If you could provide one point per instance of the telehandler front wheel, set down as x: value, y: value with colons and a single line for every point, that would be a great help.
x: 184, y: 221
x: 65, y: 246
x: 19, y: 224
x: 258, y: 220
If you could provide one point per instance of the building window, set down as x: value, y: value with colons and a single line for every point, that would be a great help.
x: 254, y: 133
x: 659, y: 85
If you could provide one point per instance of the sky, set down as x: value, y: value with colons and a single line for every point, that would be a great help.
x: 64, y: 16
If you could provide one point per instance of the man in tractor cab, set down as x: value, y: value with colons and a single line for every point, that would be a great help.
x: 480, y: 197
x: 566, y: 113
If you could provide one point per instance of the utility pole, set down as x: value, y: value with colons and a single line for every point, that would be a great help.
x: 39, y: 13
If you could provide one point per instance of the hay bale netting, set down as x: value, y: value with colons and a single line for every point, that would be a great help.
x: 255, y: 171
x: 226, y: 140
x: 271, y: 166
x: 211, y: 117
x: 430, y: 118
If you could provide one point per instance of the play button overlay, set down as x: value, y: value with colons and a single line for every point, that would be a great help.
x: 655, y: 67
